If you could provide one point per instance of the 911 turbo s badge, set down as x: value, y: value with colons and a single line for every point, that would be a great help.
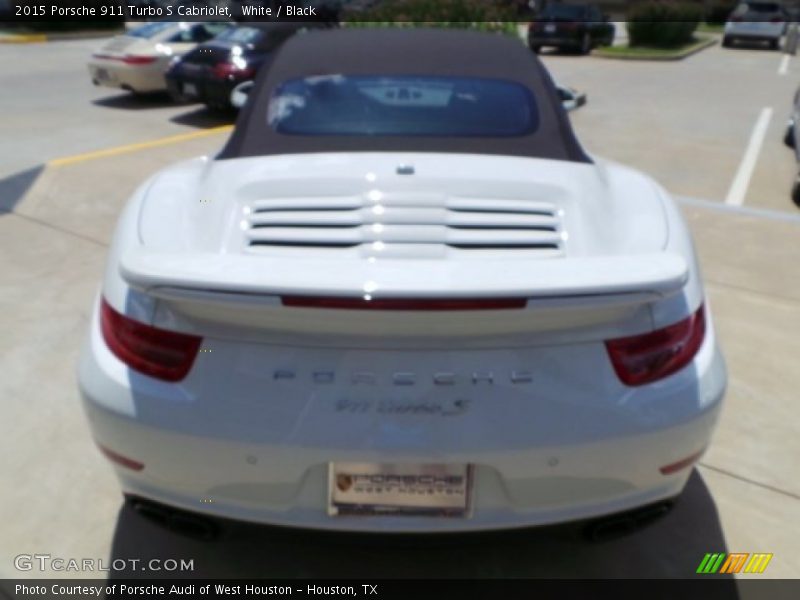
x: 440, y: 378
x: 444, y: 408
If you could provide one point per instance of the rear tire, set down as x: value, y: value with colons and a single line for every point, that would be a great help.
x: 218, y: 107
x: 796, y: 193
x: 727, y: 41
x: 535, y: 48
x: 788, y: 137
x: 775, y: 44
x: 586, y: 44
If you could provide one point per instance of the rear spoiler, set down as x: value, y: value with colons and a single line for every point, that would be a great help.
x: 655, y: 276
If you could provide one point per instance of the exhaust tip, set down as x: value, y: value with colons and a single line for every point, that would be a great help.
x: 176, y: 520
x: 194, y: 527
x: 623, y: 524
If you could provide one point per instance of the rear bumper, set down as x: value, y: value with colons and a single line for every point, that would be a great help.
x: 115, y: 74
x: 557, y: 41
x: 762, y: 35
x: 590, y: 471
x: 206, y: 91
x: 288, y: 486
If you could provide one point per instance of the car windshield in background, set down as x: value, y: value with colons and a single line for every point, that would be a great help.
x: 241, y: 35
x: 763, y: 7
x: 402, y: 106
x: 757, y: 10
x: 198, y: 33
x: 150, y: 30
x: 563, y: 12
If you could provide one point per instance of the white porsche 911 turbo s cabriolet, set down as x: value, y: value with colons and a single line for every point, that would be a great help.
x: 402, y: 298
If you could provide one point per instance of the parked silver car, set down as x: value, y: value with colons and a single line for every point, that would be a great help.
x: 756, y: 22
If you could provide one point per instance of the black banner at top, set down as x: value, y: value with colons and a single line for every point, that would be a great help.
x: 409, y: 11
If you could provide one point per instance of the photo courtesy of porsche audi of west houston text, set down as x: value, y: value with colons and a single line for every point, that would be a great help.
x: 153, y: 590
x: 402, y: 298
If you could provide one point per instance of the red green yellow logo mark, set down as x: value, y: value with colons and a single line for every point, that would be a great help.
x: 735, y: 562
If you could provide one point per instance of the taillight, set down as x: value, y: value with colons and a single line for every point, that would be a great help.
x: 130, y: 59
x: 229, y: 70
x: 156, y: 352
x: 139, y: 60
x: 645, y: 358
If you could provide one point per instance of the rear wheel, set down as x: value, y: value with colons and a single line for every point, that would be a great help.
x: 775, y: 44
x: 727, y: 41
x: 535, y: 48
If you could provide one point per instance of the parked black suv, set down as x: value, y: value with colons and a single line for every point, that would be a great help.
x: 576, y: 27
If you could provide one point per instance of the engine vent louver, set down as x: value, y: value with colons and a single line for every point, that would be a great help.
x: 404, y: 226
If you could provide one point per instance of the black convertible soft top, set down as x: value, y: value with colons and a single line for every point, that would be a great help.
x: 412, y: 52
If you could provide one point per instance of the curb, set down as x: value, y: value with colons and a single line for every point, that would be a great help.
x: 700, y: 46
x: 22, y: 38
x: 35, y: 38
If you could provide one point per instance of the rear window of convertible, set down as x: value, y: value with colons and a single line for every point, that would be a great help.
x: 366, y: 105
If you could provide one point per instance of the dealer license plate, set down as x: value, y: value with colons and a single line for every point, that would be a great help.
x: 189, y: 89
x: 550, y: 28
x: 441, y: 490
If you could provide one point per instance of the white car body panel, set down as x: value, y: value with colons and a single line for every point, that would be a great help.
x: 107, y: 69
x: 255, y: 427
x: 281, y: 327
x: 611, y: 244
x: 755, y: 29
x: 268, y: 445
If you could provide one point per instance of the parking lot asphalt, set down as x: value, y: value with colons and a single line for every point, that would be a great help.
x: 687, y: 123
x: 50, y: 109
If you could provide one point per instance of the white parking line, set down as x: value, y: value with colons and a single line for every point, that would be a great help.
x: 784, y: 66
x: 749, y: 211
x: 738, y: 189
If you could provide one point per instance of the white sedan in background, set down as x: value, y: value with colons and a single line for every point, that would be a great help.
x: 137, y: 60
x: 402, y: 298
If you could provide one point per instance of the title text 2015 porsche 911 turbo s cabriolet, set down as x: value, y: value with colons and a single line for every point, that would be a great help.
x: 402, y: 298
